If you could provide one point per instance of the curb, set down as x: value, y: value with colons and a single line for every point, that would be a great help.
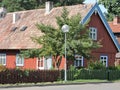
x: 49, y: 84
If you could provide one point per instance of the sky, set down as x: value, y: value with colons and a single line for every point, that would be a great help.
x: 94, y: 1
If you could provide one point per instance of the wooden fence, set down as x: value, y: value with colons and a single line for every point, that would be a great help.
x: 19, y: 76
x: 93, y: 74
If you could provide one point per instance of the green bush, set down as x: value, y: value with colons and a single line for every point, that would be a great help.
x: 118, y: 67
x: 112, y: 68
x: 72, y: 67
x: 2, y: 68
x: 96, y: 65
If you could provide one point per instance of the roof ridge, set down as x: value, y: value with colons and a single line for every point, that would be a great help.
x: 53, y: 8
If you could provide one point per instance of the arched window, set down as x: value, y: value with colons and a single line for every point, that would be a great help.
x: 19, y: 60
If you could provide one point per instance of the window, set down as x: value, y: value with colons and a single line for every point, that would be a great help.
x: 104, y: 60
x: 78, y: 61
x: 19, y: 60
x: 93, y: 33
x: 3, y: 59
x: 13, y: 28
x: 41, y: 63
x: 23, y: 28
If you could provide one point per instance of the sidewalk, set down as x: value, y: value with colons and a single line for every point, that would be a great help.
x: 53, y: 84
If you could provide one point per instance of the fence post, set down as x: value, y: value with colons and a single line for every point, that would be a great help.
x: 108, y: 75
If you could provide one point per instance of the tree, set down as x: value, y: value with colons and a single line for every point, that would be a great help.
x: 78, y: 41
x: 67, y: 2
x: 18, y: 5
x: 113, y: 7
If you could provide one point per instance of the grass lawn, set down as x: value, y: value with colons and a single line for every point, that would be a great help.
x: 83, y: 81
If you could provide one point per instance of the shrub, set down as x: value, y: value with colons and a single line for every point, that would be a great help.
x: 2, y: 68
x: 72, y: 67
x: 96, y: 65
x: 118, y: 67
x: 112, y: 68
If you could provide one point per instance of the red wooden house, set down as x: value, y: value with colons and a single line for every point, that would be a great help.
x: 16, y: 29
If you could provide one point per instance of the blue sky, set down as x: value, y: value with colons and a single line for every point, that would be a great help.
x: 93, y: 1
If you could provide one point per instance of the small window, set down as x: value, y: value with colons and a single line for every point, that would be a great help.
x: 104, y: 60
x: 13, y: 28
x: 41, y: 63
x: 3, y: 59
x: 78, y: 61
x: 19, y: 60
x: 93, y: 33
x: 23, y: 28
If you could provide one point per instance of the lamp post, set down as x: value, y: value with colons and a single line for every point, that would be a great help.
x: 65, y: 29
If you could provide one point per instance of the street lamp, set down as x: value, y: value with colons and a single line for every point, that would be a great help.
x: 65, y: 29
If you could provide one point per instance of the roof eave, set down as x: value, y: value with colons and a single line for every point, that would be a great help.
x: 93, y: 9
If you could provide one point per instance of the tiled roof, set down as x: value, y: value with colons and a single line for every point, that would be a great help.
x: 115, y: 27
x: 22, y: 39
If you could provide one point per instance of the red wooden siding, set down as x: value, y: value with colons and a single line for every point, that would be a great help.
x: 108, y: 48
x: 10, y: 59
x: 30, y: 63
x: 102, y: 35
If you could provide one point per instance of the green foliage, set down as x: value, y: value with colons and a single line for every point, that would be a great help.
x: 118, y: 67
x: 31, y: 53
x: 17, y: 5
x: 67, y: 2
x: 113, y: 7
x: 2, y: 68
x: 77, y: 74
x: 72, y: 68
x: 78, y: 40
x: 96, y: 65
x: 112, y: 68
x: 88, y: 74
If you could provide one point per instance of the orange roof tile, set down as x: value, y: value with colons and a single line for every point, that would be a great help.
x: 115, y: 27
x: 22, y: 39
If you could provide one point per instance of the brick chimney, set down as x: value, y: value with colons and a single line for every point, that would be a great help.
x: 116, y: 20
x: 48, y: 7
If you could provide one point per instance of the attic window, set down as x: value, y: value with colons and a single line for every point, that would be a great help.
x: 23, y: 28
x: 13, y: 28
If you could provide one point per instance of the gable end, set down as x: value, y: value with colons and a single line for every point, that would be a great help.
x: 94, y: 9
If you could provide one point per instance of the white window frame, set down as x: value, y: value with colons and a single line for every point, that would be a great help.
x: 93, y: 33
x: 104, y: 59
x: 78, y: 59
x: 41, y: 63
x: 3, y: 59
x: 19, y: 60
